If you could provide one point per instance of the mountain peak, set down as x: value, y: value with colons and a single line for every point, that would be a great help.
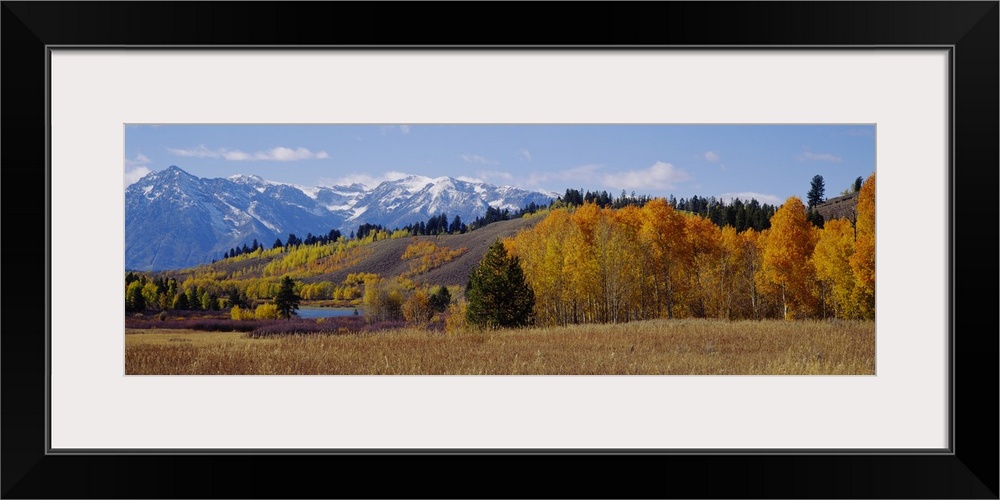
x: 175, y: 220
x: 247, y: 179
x: 173, y: 171
x: 414, y: 182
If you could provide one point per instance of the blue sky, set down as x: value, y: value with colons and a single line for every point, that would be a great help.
x: 768, y: 162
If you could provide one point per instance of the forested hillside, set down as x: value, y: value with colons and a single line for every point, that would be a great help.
x: 606, y: 265
x: 589, y: 258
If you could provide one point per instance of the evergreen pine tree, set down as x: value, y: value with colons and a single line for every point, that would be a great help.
x: 181, y: 302
x: 441, y: 299
x: 816, y: 218
x: 134, y: 301
x: 287, y: 301
x: 498, y: 294
x: 817, y: 189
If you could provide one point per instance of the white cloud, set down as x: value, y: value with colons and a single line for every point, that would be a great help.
x: 275, y: 154
x: 810, y: 156
x: 404, y: 129
x: 575, y: 176
x: 660, y: 175
x: 369, y: 181
x: 132, y: 175
x: 589, y: 176
x: 469, y: 158
x: 578, y: 176
x: 135, y: 168
x: 494, y: 176
x: 746, y: 196
x: 286, y: 154
x: 524, y: 154
x: 199, y: 152
x: 469, y: 179
x: 140, y: 159
x: 711, y: 156
x: 236, y: 156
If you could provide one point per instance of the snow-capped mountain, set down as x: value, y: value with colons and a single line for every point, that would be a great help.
x: 174, y: 219
x: 416, y: 198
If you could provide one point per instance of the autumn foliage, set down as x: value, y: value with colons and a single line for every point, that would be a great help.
x: 863, y: 260
x: 602, y: 265
x: 786, y: 263
x: 424, y: 256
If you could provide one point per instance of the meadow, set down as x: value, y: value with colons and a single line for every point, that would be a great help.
x: 653, y: 347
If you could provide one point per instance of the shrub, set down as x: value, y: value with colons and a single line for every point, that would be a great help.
x: 267, y: 311
x: 382, y: 301
x: 238, y: 313
x: 417, y: 309
x: 330, y: 326
x: 454, y: 320
x: 218, y: 325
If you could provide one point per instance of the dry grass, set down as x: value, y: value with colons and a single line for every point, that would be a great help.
x: 660, y: 347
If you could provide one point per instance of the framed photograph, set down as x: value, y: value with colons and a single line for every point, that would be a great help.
x: 923, y: 94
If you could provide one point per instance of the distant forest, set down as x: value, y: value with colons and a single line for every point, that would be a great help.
x: 739, y: 214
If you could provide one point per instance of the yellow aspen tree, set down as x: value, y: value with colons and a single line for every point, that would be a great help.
x: 540, y: 250
x: 833, y: 268
x: 559, y: 233
x: 701, y: 237
x: 863, y: 260
x: 417, y: 309
x: 149, y: 295
x: 633, y: 258
x: 372, y: 300
x: 612, y: 246
x: 786, y: 260
x: 581, y: 264
x: 662, y: 234
x: 751, y: 261
x: 726, y: 287
x: 769, y: 302
x: 544, y: 263
x: 586, y: 217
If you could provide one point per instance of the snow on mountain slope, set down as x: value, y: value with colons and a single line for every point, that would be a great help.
x: 174, y: 219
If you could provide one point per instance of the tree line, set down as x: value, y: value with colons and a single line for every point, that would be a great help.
x: 742, y: 215
x: 588, y: 264
x: 435, y: 225
x: 739, y: 214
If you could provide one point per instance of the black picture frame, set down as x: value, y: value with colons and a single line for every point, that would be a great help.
x: 970, y: 470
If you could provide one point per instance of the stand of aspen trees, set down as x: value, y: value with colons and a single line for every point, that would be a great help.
x: 594, y: 265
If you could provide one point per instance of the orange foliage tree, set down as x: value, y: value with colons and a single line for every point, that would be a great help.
x: 863, y: 260
x: 833, y: 268
x: 662, y: 233
x: 703, y: 246
x: 593, y: 265
x: 786, y: 262
x: 542, y: 251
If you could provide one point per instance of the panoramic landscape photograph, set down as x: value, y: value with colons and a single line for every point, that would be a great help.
x: 523, y: 249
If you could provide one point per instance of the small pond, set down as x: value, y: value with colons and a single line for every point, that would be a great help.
x: 327, y: 312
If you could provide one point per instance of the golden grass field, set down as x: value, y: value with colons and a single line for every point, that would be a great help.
x: 658, y: 347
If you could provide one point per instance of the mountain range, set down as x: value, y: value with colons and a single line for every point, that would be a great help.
x: 174, y: 219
